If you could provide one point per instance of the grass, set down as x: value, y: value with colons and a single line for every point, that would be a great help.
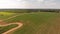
x: 5, y: 15
x: 5, y: 28
x: 33, y: 21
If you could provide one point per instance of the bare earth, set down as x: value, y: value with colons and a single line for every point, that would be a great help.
x: 13, y: 29
x: 2, y: 23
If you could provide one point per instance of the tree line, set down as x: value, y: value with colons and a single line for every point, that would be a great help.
x: 30, y: 10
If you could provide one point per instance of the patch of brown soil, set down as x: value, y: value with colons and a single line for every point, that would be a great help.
x: 11, y: 30
x: 2, y: 22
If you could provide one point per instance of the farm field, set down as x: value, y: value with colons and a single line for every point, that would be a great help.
x: 36, y: 23
x: 5, y: 28
x: 5, y: 15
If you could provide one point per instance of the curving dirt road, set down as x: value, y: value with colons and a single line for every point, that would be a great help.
x: 13, y: 29
x: 2, y: 23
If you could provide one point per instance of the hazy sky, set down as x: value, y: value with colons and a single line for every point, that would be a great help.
x: 29, y: 4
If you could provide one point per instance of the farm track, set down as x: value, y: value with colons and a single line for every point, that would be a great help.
x: 11, y: 17
x: 13, y: 29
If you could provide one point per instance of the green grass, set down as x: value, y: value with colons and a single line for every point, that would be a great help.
x: 32, y: 21
x: 6, y: 28
x: 5, y: 15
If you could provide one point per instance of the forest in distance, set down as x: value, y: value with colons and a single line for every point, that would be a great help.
x: 29, y: 10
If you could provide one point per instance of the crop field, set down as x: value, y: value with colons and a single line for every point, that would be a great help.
x: 34, y: 23
x: 5, y: 15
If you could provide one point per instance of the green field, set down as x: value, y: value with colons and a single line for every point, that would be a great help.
x: 33, y: 23
x: 5, y: 28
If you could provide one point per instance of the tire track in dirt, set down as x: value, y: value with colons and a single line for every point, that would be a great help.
x: 11, y: 17
x: 13, y: 29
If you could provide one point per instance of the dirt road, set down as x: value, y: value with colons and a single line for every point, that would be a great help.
x: 13, y: 29
x: 2, y: 23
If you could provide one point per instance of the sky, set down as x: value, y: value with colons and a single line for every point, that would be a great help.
x: 18, y: 4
